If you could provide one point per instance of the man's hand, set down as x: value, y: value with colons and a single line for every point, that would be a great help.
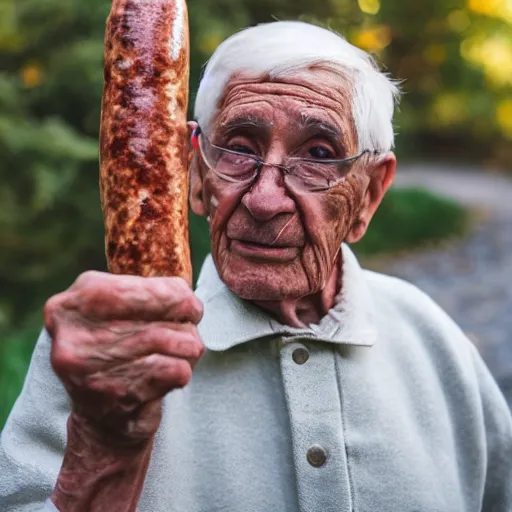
x: 120, y: 343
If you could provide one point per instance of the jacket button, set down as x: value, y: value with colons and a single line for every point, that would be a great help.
x: 300, y: 355
x: 316, y: 456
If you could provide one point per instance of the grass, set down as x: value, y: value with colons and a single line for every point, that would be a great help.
x: 412, y: 218
x: 407, y: 219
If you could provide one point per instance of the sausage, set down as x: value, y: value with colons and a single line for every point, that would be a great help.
x: 143, y: 139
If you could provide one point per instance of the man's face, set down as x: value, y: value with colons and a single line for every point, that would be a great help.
x: 275, y: 239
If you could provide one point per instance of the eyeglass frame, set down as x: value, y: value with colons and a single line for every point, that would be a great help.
x: 260, y: 163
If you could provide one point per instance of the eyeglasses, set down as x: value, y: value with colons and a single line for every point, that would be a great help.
x: 243, y: 168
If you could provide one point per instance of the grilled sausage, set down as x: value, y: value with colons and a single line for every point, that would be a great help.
x: 143, y: 139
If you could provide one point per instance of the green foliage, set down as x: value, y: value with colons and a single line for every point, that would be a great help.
x: 50, y: 96
x: 410, y: 218
x: 51, y: 55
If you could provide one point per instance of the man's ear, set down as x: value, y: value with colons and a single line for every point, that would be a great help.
x: 381, y: 177
x: 196, y: 180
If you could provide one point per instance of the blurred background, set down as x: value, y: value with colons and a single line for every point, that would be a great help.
x: 445, y: 225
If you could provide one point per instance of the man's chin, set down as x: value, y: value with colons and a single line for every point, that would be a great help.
x: 258, y: 292
x: 264, y: 281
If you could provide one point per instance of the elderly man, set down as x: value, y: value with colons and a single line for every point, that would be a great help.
x: 323, y: 387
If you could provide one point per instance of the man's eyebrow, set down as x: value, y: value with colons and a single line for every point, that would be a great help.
x: 246, y: 122
x: 308, y: 123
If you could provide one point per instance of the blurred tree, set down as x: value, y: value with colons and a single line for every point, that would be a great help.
x: 50, y: 88
x: 456, y: 59
x: 50, y: 94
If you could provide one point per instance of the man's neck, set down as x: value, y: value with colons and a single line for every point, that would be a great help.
x: 310, y: 309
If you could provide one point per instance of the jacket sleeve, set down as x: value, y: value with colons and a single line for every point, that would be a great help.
x: 33, y: 440
x: 498, y: 438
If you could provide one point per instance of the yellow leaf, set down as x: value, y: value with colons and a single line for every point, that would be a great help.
x: 493, y: 8
x: 493, y: 54
x: 369, y: 6
x: 373, y: 38
x: 32, y: 75
x: 504, y: 117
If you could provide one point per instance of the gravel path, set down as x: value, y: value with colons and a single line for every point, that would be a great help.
x: 471, y: 279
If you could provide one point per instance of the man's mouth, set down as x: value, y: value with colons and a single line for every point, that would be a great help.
x: 262, y: 252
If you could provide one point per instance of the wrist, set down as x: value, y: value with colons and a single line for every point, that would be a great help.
x: 100, y: 472
x: 111, y: 437
x: 124, y: 433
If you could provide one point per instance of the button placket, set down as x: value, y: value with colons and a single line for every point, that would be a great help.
x: 311, y: 390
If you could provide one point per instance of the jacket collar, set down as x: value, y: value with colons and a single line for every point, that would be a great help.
x: 229, y: 321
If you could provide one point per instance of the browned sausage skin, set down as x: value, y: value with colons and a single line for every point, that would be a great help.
x: 143, y: 139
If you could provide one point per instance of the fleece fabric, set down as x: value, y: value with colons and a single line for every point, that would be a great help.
x: 384, y: 406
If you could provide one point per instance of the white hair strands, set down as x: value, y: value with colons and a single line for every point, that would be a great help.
x: 281, y: 47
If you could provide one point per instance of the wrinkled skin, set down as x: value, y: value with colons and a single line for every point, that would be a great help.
x: 297, y: 283
x: 120, y: 343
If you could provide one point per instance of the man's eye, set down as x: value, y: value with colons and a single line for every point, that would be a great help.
x: 241, y: 149
x: 320, y: 153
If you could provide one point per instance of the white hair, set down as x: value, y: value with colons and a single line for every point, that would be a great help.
x: 283, y: 47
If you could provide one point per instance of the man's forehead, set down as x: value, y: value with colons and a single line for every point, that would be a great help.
x: 311, y: 99
x: 311, y: 83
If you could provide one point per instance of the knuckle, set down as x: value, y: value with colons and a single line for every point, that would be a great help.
x: 49, y: 311
x: 182, y: 373
x: 189, y: 348
x: 153, y: 360
x: 179, y: 284
x: 92, y: 286
x: 53, y: 305
x: 173, y: 287
x: 197, y: 348
x: 63, y: 358
x: 178, y: 342
x: 194, y: 307
x: 180, y: 288
x: 100, y: 294
x: 85, y: 278
x: 50, y: 306
x: 199, y: 309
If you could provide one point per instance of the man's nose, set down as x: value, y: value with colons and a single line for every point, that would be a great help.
x: 267, y: 197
